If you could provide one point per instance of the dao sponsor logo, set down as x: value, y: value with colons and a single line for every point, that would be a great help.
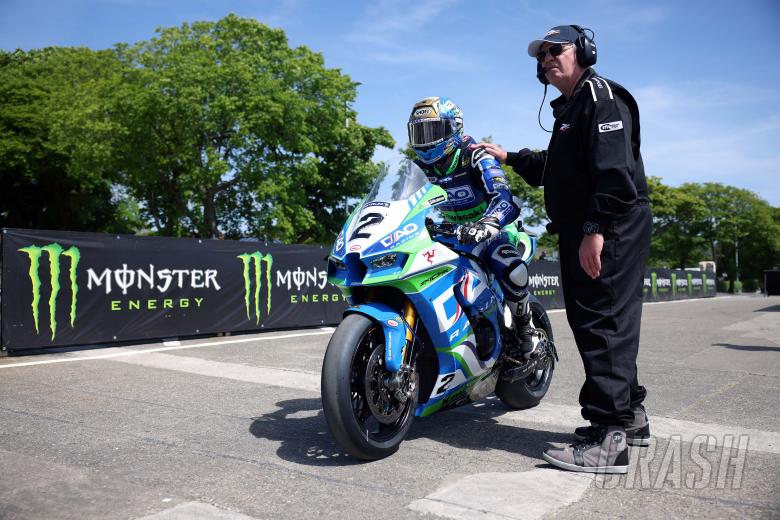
x: 253, y: 265
x: 54, y: 253
x: 610, y: 127
x: 408, y: 231
x: 460, y: 195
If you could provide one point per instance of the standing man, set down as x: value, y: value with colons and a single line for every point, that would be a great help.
x: 596, y: 198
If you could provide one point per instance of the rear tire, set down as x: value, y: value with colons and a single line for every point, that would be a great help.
x: 357, y: 347
x: 528, y: 392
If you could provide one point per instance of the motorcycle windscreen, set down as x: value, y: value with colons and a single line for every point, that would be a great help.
x: 398, y: 179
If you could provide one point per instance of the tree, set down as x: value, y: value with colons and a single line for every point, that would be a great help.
x: 678, y: 216
x: 226, y: 129
x: 740, y: 227
x: 43, y: 185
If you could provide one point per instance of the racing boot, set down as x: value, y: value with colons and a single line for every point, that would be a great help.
x: 521, y: 314
x: 637, y: 431
x: 606, y: 452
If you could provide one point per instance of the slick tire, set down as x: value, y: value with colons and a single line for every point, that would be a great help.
x: 354, y: 429
x: 528, y: 392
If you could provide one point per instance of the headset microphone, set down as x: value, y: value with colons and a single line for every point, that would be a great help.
x: 539, y: 115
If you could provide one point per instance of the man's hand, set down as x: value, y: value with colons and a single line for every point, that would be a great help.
x: 590, y: 254
x: 474, y: 232
x: 493, y: 149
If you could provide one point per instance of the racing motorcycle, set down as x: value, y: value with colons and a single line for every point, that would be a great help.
x: 427, y: 328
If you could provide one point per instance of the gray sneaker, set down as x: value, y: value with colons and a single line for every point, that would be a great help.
x: 637, y: 432
x: 606, y: 454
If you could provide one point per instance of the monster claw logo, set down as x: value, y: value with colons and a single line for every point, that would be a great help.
x: 54, y: 252
x: 256, y: 259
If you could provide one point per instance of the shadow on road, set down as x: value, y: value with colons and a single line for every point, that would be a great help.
x: 747, y: 348
x: 300, y: 426
x: 773, y: 308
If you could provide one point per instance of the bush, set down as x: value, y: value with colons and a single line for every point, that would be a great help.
x: 736, y: 287
x: 751, y: 285
x: 723, y: 285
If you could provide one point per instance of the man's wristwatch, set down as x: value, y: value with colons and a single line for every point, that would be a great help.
x: 591, y: 228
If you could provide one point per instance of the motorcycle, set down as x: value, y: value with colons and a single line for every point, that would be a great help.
x: 427, y: 328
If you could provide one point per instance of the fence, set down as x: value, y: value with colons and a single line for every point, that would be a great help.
x: 67, y: 288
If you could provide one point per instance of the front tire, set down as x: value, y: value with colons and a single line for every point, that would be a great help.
x: 363, y: 415
x: 528, y: 392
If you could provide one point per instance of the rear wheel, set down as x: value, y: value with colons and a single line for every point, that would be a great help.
x: 528, y: 392
x: 362, y: 411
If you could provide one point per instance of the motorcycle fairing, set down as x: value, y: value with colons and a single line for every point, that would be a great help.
x: 394, y: 329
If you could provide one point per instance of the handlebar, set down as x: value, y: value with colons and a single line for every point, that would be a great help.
x: 449, y: 229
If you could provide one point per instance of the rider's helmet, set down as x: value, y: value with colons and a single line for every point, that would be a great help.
x: 436, y: 132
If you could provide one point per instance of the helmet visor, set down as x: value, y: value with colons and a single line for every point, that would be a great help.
x: 425, y: 132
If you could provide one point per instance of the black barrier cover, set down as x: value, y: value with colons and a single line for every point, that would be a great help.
x: 772, y: 282
x: 78, y: 288
x: 101, y: 288
x: 544, y: 281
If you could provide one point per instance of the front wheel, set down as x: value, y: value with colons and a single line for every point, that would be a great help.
x: 528, y: 392
x: 362, y: 411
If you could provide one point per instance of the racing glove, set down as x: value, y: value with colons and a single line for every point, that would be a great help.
x: 474, y: 232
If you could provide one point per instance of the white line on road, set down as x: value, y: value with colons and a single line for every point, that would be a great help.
x: 567, y: 417
x: 501, y: 496
x: 283, y: 377
x: 126, y: 351
x: 196, y: 510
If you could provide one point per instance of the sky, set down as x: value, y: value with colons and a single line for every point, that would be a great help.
x: 706, y: 74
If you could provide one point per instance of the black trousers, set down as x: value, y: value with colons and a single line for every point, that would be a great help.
x: 605, y: 314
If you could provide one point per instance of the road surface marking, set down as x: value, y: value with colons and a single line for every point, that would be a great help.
x: 196, y: 510
x: 116, y: 352
x: 283, y: 377
x: 500, y: 496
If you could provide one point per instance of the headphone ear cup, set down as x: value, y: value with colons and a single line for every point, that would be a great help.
x: 540, y: 74
x: 586, y: 51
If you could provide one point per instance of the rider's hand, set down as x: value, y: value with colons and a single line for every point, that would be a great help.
x: 493, y: 149
x: 474, y: 232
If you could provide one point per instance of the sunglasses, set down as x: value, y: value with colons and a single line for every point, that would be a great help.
x: 554, y: 50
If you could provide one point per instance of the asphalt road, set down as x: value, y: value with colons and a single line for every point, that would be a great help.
x: 232, y: 428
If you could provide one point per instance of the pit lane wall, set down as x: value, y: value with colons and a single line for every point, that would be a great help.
x: 68, y: 288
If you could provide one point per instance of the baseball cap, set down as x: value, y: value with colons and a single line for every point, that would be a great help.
x: 558, y: 34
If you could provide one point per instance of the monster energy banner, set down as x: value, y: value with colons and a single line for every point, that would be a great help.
x: 677, y: 284
x: 77, y: 288
x: 544, y: 282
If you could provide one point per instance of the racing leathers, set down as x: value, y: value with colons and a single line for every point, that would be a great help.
x: 478, y: 193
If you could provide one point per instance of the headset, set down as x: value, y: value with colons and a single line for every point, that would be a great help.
x: 585, y: 51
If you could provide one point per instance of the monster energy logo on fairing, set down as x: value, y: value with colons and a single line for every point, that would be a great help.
x: 256, y: 259
x: 54, y: 252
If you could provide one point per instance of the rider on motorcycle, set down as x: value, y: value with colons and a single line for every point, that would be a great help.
x: 479, y: 199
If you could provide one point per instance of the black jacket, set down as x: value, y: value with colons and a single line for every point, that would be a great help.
x: 592, y: 169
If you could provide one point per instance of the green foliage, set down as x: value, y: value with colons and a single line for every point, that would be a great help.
x: 712, y: 221
x: 43, y: 187
x: 207, y: 129
x: 229, y: 130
